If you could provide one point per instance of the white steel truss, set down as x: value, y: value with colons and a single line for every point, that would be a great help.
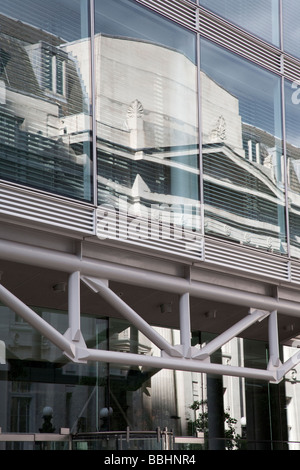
x: 180, y: 357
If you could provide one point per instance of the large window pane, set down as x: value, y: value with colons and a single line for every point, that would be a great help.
x: 292, y: 112
x: 146, y: 112
x: 44, y: 96
x: 259, y: 17
x: 37, y: 380
x: 242, y: 151
x: 291, y: 26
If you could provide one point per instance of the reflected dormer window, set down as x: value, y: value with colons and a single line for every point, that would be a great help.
x: 49, y: 65
x: 53, y: 71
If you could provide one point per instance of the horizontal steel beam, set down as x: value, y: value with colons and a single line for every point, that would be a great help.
x: 36, y: 256
x: 77, y: 351
x: 84, y: 354
x: 183, y: 364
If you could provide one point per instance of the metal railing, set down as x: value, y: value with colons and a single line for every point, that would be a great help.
x: 124, y: 440
x: 160, y: 439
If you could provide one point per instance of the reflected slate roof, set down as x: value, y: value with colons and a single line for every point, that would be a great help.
x: 25, y: 32
x: 16, y: 69
x: 15, y: 65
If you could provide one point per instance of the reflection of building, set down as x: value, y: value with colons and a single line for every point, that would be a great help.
x: 33, y: 111
x: 238, y: 163
x: 155, y: 158
x: 148, y: 234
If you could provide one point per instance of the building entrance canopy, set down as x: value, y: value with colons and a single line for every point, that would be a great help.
x: 97, y: 275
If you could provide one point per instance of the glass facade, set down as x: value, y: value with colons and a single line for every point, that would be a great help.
x: 146, y: 113
x: 115, y: 121
x: 36, y: 377
x: 116, y: 106
x: 292, y: 138
x: 38, y: 381
x: 291, y: 32
x: 45, y: 101
x: 243, y: 171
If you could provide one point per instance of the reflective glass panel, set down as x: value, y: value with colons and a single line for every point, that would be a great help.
x: 291, y: 26
x: 292, y: 113
x: 242, y: 151
x: 44, y: 96
x: 146, y: 112
x: 259, y: 17
x: 43, y: 391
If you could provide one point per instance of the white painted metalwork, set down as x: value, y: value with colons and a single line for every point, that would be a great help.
x: 113, y: 299
x: 181, y: 357
x: 69, y: 263
x: 185, y: 324
x: 274, y: 361
x: 74, y: 305
x: 17, y: 306
x: 253, y: 317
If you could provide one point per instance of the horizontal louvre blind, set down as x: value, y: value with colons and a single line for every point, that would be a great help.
x: 295, y: 272
x: 180, y: 11
x: 291, y: 68
x: 246, y: 259
x: 46, y: 210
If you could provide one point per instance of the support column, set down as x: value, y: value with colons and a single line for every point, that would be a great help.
x: 74, y: 305
x: 215, y: 413
x: 274, y: 360
x: 185, y: 324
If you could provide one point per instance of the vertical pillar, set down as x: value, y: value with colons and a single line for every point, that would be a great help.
x: 185, y: 323
x: 274, y: 360
x: 215, y: 408
x: 215, y: 403
x: 259, y: 434
x: 74, y: 305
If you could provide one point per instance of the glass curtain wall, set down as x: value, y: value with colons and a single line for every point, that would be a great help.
x: 147, y: 117
x: 291, y: 28
x: 291, y: 37
x: 42, y: 391
x: 292, y: 113
x: 45, y: 140
x: 244, y: 179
